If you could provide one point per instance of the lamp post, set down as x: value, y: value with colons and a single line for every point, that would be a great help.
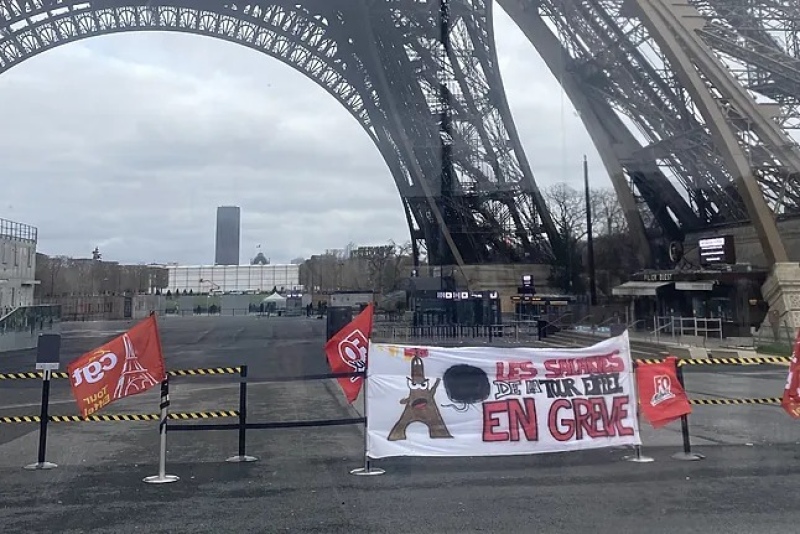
x: 590, y: 237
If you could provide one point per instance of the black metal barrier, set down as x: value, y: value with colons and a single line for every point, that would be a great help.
x: 45, y: 418
x: 455, y: 331
x: 165, y: 417
x: 242, y: 425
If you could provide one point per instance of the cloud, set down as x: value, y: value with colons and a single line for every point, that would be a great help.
x: 129, y: 142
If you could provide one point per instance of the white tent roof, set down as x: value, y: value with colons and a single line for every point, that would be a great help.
x: 275, y: 297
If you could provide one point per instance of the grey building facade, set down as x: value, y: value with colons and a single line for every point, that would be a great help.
x: 228, y: 230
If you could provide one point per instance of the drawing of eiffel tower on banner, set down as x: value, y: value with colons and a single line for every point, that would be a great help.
x: 134, y: 377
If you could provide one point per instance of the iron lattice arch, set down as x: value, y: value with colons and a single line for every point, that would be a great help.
x: 420, y: 77
x: 617, y: 61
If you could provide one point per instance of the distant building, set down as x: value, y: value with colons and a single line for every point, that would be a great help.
x: 228, y: 235
x: 17, y: 264
x: 233, y: 278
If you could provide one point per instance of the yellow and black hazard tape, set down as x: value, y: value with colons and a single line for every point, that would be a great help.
x: 20, y: 419
x: 718, y: 402
x: 29, y: 376
x: 204, y: 415
x: 206, y: 371
x: 176, y: 372
x: 756, y: 360
x: 114, y: 418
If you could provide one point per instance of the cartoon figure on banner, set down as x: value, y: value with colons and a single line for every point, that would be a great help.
x: 420, y: 405
x: 663, y: 390
x: 465, y: 385
x: 353, y: 352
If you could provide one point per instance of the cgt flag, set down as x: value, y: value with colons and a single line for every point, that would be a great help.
x: 661, y: 395
x: 129, y: 364
x: 347, y: 352
x: 791, y: 392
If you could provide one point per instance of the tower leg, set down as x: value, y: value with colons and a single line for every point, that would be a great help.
x: 782, y: 292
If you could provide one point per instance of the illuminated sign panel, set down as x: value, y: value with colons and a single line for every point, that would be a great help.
x: 717, y: 251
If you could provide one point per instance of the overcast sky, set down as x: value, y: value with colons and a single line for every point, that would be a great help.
x: 129, y: 142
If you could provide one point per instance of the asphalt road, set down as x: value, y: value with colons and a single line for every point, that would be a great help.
x: 301, y: 483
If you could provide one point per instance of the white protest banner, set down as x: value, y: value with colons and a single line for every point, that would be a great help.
x: 487, y: 401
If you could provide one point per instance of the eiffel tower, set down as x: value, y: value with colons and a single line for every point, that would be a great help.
x: 134, y: 377
x: 665, y: 88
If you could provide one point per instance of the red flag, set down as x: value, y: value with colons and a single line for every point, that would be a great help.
x: 661, y: 395
x: 129, y: 364
x: 791, y: 393
x: 347, y: 352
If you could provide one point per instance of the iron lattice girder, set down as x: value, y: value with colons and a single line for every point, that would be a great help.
x: 759, y: 42
x: 383, y: 60
x: 605, y: 53
x: 618, y: 64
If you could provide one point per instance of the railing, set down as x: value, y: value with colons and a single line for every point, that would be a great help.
x: 454, y: 333
x: 19, y: 328
x: 677, y: 327
x: 610, y: 320
x: 631, y: 327
x: 29, y: 318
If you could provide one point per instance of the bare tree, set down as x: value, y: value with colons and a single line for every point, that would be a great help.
x: 399, y: 267
x: 567, y: 207
x: 607, y: 215
x: 615, y: 252
x: 49, y: 273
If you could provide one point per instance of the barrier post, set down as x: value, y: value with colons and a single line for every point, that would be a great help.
x: 162, y: 477
x: 637, y: 457
x: 367, y: 470
x: 242, y: 456
x: 44, y: 417
x: 687, y: 454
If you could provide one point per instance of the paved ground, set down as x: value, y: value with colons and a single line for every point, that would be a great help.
x: 301, y: 481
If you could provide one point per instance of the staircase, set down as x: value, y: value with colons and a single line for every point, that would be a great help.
x: 570, y: 338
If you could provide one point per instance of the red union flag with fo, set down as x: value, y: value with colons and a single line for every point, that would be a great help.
x: 129, y: 364
x: 347, y: 352
x: 661, y: 395
x: 791, y: 393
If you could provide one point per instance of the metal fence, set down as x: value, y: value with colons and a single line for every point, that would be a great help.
x: 676, y: 327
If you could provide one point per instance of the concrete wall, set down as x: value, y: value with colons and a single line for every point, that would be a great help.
x: 748, y: 248
x: 351, y: 299
x: 90, y: 308
x: 143, y: 305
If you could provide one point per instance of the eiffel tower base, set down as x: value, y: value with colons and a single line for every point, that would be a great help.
x: 41, y: 466
x: 241, y: 458
x: 782, y: 292
x: 161, y: 479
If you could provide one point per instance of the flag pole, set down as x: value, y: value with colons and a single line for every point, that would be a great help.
x: 162, y: 477
x: 638, y: 457
x: 367, y: 470
x: 686, y: 454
